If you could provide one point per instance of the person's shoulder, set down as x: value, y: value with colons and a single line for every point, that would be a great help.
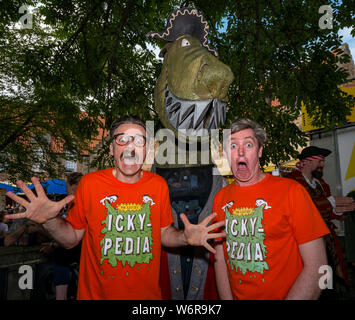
x: 293, y: 174
x: 225, y: 190
x: 283, y: 182
x: 152, y: 177
x: 95, y: 174
x: 323, y: 182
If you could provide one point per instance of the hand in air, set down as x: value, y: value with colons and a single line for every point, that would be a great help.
x: 39, y: 208
x: 198, y: 234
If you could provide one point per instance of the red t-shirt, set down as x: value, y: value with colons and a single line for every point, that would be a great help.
x: 120, y: 257
x: 265, y: 223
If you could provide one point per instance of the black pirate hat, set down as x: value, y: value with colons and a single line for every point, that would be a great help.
x: 185, y: 21
x: 312, y: 151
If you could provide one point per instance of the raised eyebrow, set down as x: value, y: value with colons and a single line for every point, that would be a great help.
x: 126, y: 134
x: 246, y: 138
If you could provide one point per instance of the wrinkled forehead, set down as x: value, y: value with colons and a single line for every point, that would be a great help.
x: 245, y: 134
x: 130, y: 129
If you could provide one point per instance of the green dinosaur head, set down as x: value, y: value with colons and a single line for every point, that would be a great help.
x: 191, y: 91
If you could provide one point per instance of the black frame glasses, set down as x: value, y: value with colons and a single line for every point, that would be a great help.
x: 130, y: 138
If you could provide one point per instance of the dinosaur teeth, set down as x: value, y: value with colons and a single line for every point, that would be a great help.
x: 168, y: 101
x: 217, y: 110
x: 213, y: 124
x: 194, y: 116
x: 175, y: 107
x: 174, y: 119
x: 186, y: 111
x: 223, y: 112
x: 199, y: 115
x: 187, y: 122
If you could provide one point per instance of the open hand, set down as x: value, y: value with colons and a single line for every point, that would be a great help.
x: 198, y: 234
x: 39, y: 208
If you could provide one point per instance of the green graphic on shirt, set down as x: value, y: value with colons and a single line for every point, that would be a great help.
x: 245, y: 240
x: 127, y: 234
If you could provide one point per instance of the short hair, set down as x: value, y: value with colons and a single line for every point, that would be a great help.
x: 129, y: 119
x: 74, y: 178
x: 244, y: 123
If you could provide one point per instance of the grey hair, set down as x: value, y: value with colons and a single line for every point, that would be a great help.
x: 244, y: 123
x: 128, y: 119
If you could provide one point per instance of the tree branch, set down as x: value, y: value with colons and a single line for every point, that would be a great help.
x: 68, y: 44
x: 17, y: 132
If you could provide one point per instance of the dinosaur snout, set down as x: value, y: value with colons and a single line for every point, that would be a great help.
x: 213, y: 78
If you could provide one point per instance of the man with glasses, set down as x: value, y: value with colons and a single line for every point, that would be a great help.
x: 123, y: 216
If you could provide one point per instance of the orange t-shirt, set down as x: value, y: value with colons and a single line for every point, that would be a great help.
x: 265, y: 223
x: 120, y: 256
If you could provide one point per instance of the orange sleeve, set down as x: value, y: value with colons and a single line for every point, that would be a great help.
x: 305, y: 219
x: 76, y: 214
x: 217, y: 208
x: 166, y: 217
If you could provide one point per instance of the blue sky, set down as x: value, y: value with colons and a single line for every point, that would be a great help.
x: 344, y: 33
x: 349, y: 39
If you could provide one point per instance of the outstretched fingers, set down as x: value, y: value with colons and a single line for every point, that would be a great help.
x: 184, y: 220
x: 39, y: 189
x: 16, y: 215
x: 18, y: 199
x: 216, y: 225
x: 216, y: 235
x: 208, y: 219
x: 209, y: 247
x: 66, y: 200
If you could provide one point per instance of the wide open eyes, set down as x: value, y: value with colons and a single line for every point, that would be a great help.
x: 185, y: 43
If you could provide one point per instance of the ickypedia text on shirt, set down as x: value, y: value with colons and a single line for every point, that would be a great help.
x: 245, y: 239
x: 127, y: 234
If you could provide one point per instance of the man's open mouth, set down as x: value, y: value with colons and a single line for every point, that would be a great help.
x: 129, y: 157
x: 241, y: 165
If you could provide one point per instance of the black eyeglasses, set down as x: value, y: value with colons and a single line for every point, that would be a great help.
x: 123, y: 139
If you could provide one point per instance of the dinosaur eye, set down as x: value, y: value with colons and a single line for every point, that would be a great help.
x: 185, y: 43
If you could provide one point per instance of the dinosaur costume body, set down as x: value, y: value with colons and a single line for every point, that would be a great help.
x: 190, y: 98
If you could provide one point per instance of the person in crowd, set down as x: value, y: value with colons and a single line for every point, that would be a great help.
x: 24, y: 232
x: 64, y: 258
x: 274, y: 246
x: 309, y: 173
x: 4, y: 228
x: 121, y: 231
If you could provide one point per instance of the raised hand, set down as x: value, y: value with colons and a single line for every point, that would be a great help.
x: 198, y: 234
x: 39, y: 208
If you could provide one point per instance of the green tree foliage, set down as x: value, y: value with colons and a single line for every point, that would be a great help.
x: 278, y: 52
x: 77, y: 57
x: 85, y: 59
